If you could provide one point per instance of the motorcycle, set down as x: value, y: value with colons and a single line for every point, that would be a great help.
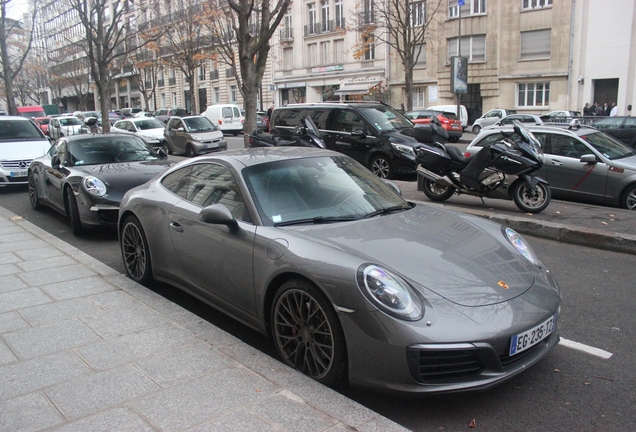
x: 307, y: 136
x: 502, y: 170
x: 91, y: 125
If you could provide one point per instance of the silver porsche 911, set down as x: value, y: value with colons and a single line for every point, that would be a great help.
x: 350, y: 280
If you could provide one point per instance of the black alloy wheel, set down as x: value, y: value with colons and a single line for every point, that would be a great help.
x: 33, y: 193
x: 381, y: 167
x: 437, y: 192
x: 628, y: 198
x: 190, y: 151
x: 135, y: 251
x: 72, y: 212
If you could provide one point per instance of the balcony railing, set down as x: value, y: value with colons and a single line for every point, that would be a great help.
x: 365, y: 18
x: 287, y: 34
x: 214, y: 75
x: 324, y: 27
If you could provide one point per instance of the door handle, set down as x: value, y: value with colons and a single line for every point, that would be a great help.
x: 555, y: 162
x: 175, y: 226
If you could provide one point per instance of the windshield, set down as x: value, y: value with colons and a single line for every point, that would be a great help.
x: 149, y: 124
x: 608, y: 146
x: 199, y: 124
x: 317, y: 190
x: 385, y: 118
x: 109, y: 149
x: 15, y: 130
x: 70, y: 121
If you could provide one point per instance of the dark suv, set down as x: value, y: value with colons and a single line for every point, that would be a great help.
x: 372, y: 133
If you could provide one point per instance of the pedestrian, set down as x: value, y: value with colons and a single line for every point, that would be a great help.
x: 606, y: 109
x: 269, y: 111
x: 614, y: 110
x: 402, y: 109
x: 587, y: 111
x: 599, y: 109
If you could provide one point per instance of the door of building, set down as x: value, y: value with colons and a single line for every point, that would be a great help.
x: 606, y: 91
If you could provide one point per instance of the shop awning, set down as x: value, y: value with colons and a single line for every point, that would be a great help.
x: 355, y: 89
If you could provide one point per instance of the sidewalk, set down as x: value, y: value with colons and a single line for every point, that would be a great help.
x: 83, y: 348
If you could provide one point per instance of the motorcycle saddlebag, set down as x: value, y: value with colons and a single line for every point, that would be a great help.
x: 432, y: 157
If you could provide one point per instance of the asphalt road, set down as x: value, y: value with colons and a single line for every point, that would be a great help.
x: 568, y: 390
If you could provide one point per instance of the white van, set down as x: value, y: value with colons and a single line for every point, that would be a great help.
x: 453, y: 108
x: 226, y: 117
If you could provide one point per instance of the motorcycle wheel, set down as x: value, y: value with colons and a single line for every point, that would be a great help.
x: 533, y: 200
x: 436, y: 192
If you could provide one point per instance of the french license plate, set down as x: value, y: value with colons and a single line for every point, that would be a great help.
x: 209, y: 146
x: 19, y: 173
x: 455, y: 126
x: 523, y: 341
x: 228, y: 120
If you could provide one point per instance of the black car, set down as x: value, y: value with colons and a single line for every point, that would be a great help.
x: 621, y: 128
x: 373, y: 133
x: 85, y: 176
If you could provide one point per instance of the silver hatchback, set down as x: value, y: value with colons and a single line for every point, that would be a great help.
x: 580, y: 164
x: 193, y: 135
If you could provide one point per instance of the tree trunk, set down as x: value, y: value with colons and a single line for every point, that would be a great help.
x: 408, y: 84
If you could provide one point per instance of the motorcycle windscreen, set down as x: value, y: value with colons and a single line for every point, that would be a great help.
x: 311, y: 126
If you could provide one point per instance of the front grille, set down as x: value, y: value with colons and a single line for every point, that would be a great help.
x: 433, y: 365
x: 21, y: 164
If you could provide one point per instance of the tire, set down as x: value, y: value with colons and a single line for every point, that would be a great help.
x: 307, y: 332
x: 628, y: 197
x: 476, y: 129
x: 190, y: 151
x: 166, y: 147
x: 531, y: 201
x: 453, y: 139
x: 436, y: 192
x: 381, y: 167
x: 73, y: 213
x: 33, y: 194
x: 135, y: 251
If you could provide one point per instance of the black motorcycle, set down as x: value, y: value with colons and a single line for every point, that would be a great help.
x: 307, y: 136
x: 500, y: 170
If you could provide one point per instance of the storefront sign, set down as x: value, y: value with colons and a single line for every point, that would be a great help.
x: 328, y: 68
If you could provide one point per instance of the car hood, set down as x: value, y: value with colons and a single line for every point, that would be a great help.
x: 436, y: 250
x: 19, y: 149
x: 120, y: 177
x: 152, y: 133
x: 626, y: 163
x: 208, y: 135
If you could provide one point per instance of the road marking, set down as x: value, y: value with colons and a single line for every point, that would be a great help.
x: 585, y: 348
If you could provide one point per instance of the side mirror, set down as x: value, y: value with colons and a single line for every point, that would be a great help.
x: 218, y: 214
x: 358, y: 132
x: 181, y: 129
x: 55, y: 161
x: 588, y: 158
x: 393, y: 186
x: 162, y: 153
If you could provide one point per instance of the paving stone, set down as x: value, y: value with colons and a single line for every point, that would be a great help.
x: 117, y: 419
x: 64, y: 309
x: 19, y: 236
x: 91, y: 394
x: 237, y: 421
x: 7, y: 258
x: 291, y: 413
x: 203, y: 399
x: 10, y: 283
x: 22, y: 245
x: 121, y: 321
x: 28, y: 413
x: 40, y: 253
x: 125, y: 349
x: 43, y: 340
x: 46, y: 263
x: 58, y: 274
x: 22, y: 298
x: 8, y: 269
x: 10, y: 322
x: 6, y: 356
x: 10, y: 229
x: 184, y: 364
x: 78, y: 288
x: 115, y: 299
x: 31, y: 375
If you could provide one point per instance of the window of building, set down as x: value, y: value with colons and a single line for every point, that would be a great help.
x: 471, y: 7
x: 420, y: 59
x: 162, y: 99
x: 324, y: 53
x: 339, y: 10
x: 369, y: 43
x: 419, y: 101
x: 324, y: 15
x: 233, y: 94
x: 473, y: 47
x: 312, y: 55
x: 535, y: 44
x: 367, y: 12
x: 338, y: 50
x: 418, y: 14
x: 533, y: 94
x: 287, y: 24
x: 216, y: 92
x: 288, y: 58
x: 311, y: 18
x: 532, y: 4
x: 174, y: 98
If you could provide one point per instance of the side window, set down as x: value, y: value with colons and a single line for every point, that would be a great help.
x: 319, y: 116
x: 630, y: 123
x: 288, y: 117
x: 490, y: 139
x: 563, y: 145
x: 348, y: 120
x: 175, y: 123
x: 226, y: 112
x: 237, y: 113
x: 214, y: 184
x: 177, y: 182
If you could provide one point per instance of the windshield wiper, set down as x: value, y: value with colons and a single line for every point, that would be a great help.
x: 317, y: 220
x: 386, y: 211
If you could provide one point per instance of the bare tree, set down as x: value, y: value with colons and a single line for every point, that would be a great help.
x: 112, y: 31
x: 73, y: 73
x: 242, y: 30
x: 403, y: 25
x: 15, y: 44
x: 147, y: 66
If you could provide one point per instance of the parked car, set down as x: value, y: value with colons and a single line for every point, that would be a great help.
x: 42, y: 123
x: 372, y: 133
x: 66, y: 126
x: 130, y: 112
x: 31, y: 111
x: 144, y: 114
x: 262, y: 122
x: 448, y: 120
x: 560, y: 116
x: 150, y: 130
x: 192, y: 135
x: 85, y: 176
x: 490, y: 118
x: 527, y: 119
x: 83, y: 115
x: 308, y: 246
x: 226, y: 117
x: 21, y: 141
x: 622, y: 128
x: 463, y: 112
x: 580, y: 164
x: 163, y: 114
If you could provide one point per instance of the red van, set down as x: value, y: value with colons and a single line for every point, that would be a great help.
x: 31, y: 111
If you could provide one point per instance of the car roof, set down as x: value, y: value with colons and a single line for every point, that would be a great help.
x: 583, y: 130
x: 256, y: 156
x: 14, y: 118
x: 351, y: 104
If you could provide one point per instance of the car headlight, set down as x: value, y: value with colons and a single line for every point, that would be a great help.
x: 94, y: 186
x: 403, y: 148
x: 197, y: 138
x: 521, y: 245
x: 389, y: 293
